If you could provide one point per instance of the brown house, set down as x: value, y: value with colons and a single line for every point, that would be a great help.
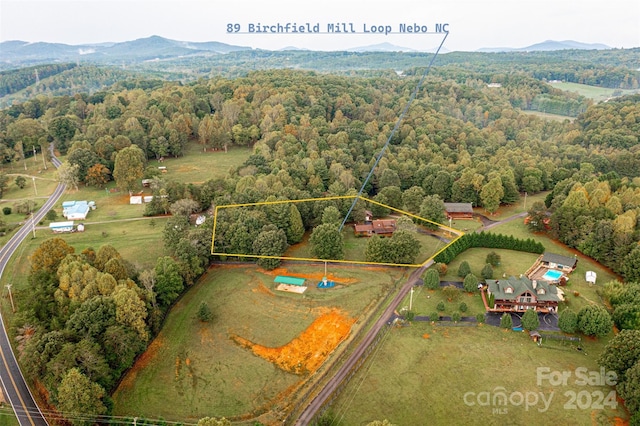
x: 459, y: 210
x: 519, y: 294
x: 382, y: 227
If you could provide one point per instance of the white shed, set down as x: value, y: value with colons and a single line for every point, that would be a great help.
x: 59, y: 227
x: 591, y: 276
x: 135, y: 199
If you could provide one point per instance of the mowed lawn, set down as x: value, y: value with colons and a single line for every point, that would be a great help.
x: 197, y: 166
x: 195, y: 369
x: 138, y: 241
x: 422, y: 373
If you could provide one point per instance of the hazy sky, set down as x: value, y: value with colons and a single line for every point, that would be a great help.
x: 472, y: 24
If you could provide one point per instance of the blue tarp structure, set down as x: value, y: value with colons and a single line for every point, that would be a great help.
x: 283, y: 279
x: 326, y: 284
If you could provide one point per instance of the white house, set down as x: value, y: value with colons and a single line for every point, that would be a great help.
x: 77, y: 210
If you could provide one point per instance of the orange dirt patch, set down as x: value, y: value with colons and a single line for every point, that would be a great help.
x: 426, y: 336
x: 143, y: 360
x: 317, y: 276
x: 307, y: 352
x: 205, y: 335
x: 261, y: 288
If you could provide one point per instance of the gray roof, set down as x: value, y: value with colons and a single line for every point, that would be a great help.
x: 559, y: 259
x: 521, y: 285
x: 458, y: 207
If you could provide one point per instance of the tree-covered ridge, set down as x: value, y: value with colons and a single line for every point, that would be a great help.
x: 612, y: 124
x: 614, y: 68
x: 67, y: 79
x: 12, y: 81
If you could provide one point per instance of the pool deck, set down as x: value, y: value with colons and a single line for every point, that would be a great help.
x: 539, y: 274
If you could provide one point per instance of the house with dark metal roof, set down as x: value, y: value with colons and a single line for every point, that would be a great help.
x: 382, y: 227
x: 458, y: 210
x: 519, y: 294
x: 556, y: 261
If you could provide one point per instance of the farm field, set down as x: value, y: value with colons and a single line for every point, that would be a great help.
x: 197, y: 166
x: 204, y: 371
x: 137, y: 241
x: 598, y: 94
x: 452, y: 371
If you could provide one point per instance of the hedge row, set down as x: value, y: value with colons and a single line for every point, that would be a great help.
x: 487, y: 240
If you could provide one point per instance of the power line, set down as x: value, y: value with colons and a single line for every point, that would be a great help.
x: 393, y: 132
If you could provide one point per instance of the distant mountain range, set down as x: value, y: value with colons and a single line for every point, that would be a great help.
x: 144, y: 49
x: 15, y: 53
x: 549, y: 45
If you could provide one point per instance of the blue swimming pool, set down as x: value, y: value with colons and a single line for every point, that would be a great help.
x: 551, y: 275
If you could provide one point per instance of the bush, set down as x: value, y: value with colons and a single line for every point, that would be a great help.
x: 487, y: 272
x: 493, y: 258
x: 594, y: 320
x: 463, y: 307
x: 464, y: 269
x: 440, y: 307
x: 432, y: 279
x: 480, y: 318
x: 568, y: 321
x: 410, y: 315
x: 21, y: 182
x: 506, y: 321
x: 6, y: 210
x: 452, y: 293
x: 442, y: 268
x: 530, y: 320
x: 434, y: 316
x: 455, y: 317
x: 204, y: 312
x: 51, y: 215
x: 470, y: 283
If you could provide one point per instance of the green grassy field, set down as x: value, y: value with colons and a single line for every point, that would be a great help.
x: 598, y: 94
x: 137, y: 241
x: 202, y: 372
x: 547, y: 116
x: 197, y: 166
x: 436, y: 375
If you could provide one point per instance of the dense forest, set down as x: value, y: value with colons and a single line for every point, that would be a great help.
x: 311, y: 135
x: 614, y: 68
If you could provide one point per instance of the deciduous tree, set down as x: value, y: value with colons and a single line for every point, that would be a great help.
x: 79, y: 398
x: 49, y: 254
x: 129, y: 168
x: 327, y: 242
x: 594, y: 320
x: 530, y: 320
x: 621, y: 353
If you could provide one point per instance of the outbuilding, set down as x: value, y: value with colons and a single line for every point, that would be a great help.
x: 60, y: 227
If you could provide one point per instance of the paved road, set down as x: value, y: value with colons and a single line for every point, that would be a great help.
x: 316, y: 404
x: 15, y: 388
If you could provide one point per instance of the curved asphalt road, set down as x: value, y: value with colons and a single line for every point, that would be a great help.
x: 15, y: 387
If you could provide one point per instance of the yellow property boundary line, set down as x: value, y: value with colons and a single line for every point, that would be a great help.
x: 307, y: 259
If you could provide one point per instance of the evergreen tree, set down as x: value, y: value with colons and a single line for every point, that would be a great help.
x: 568, y: 321
x: 464, y: 269
x: 530, y: 320
x: 506, y: 321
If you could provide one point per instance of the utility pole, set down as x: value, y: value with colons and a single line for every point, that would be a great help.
x: 13, y: 308
x: 525, y: 200
x: 411, y: 299
x: 35, y: 189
